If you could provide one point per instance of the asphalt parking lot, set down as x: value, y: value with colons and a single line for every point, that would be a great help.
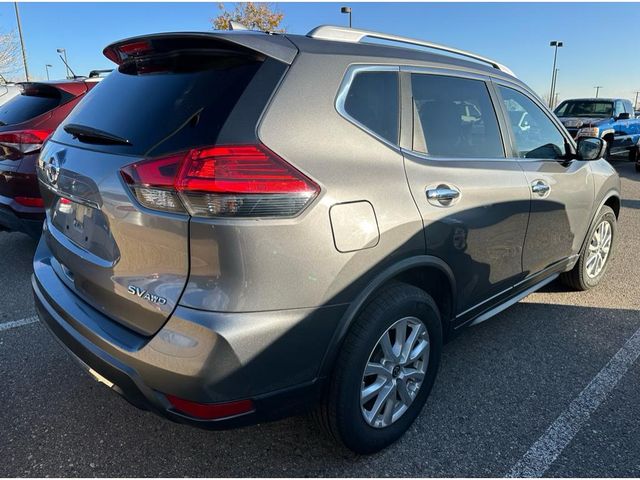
x: 535, y: 387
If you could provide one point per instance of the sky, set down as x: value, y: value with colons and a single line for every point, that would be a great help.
x: 601, y: 39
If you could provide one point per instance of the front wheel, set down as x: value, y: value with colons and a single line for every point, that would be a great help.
x: 594, y: 259
x: 384, y: 371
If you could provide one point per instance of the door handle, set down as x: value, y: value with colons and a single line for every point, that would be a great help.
x: 443, y: 194
x: 540, y: 187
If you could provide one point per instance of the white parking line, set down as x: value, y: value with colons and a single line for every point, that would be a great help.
x: 18, y: 323
x: 544, y: 452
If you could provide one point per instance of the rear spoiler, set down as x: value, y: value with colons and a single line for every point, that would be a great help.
x: 274, y: 46
x: 66, y: 90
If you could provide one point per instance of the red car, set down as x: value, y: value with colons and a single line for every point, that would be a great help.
x: 25, y: 122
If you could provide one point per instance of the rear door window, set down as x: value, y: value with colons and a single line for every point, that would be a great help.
x: 30, y: 104
x: 372, y: 101
x: 167, y: 104
x: 454, y: 117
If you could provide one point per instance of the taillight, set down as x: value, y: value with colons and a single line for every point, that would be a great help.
x: 222, y: 181
x: 23, y: 141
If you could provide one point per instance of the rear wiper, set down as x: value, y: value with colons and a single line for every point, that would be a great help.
x: 93, y: 135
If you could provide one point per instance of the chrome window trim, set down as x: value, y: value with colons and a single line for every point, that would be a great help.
x: 447, y: 72
x: 344, y: 88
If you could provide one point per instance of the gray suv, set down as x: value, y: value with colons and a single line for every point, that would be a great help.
x: 243, y: 226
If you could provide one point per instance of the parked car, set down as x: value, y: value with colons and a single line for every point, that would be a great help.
x: 612, y: 119
x: 25, y: 122
x: 243, y: 226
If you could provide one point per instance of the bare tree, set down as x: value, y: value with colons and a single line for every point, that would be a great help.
x: 9, y: 54
x: 254, y: 16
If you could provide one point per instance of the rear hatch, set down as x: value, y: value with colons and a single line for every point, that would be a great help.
x: 21, y: 120
x: 125, y: 249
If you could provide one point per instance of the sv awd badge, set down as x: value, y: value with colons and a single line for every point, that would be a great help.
x: 139, y: 292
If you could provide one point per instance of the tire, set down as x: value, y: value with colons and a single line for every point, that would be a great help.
x: 634, y: 154
x: 638, y: 167
x: 579, y: 278
x: 341, y: 413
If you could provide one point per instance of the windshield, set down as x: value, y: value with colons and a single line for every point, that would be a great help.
x: 585, y: 108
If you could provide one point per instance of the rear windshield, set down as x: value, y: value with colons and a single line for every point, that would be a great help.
x: 166, y: 104
x: 30, y: 104
x: 585, y: 108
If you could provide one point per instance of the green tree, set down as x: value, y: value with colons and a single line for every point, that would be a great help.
x: 254, y: 16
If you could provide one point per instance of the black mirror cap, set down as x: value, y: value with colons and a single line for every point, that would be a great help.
x: 624, y: 116
x: 591, y: 148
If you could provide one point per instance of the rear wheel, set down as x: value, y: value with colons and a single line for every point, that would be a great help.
x: 594, y: 259
x: 634, y: 154
x: 385, y: 370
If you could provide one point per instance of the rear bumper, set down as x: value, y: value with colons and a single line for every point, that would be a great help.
x: 200, y: 356
x: 16, y: 218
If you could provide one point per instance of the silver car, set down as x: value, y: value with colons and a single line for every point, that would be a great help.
x: 243, y: 226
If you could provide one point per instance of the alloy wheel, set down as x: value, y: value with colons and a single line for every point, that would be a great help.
x: 394, y: 372
x: 599, y: 248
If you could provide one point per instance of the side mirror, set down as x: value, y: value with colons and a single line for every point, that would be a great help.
x: 624, y: 116
x: 591, y: 148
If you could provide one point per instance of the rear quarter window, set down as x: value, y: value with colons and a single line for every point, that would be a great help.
x: 372, y: 101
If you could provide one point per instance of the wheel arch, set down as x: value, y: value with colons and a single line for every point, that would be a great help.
x: 612, y: 200
x: 427, y: 272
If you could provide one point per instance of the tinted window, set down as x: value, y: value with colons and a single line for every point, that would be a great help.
x: 585, y: 108
x: 372, y: 100
x: 27, y: 106
x: 535, y: 134
x: 169, y: 104
x: 454, y: 117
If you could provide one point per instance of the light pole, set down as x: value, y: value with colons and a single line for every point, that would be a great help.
x: 555, y: 100
x: 635, y: 104
x: 556, y: 44
x: 347, y: 10
x: 24, y: 55
x: 598, y: 87
x: 63, y: 51
x: 555, y: 85
x: 47, y: 67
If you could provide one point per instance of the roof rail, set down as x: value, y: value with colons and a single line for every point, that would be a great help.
x: 354, y: 35
x: 233, y: 25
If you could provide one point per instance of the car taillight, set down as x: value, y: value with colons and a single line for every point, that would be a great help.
x: 23, y: 141
x: 221, y: 181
